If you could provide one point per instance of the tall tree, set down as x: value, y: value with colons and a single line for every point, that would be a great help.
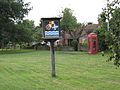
x: 112, y: 13
x: 11, y: 12
x: 103, y: 34
x: 115, y: 37
x: 69, y: 25
x: 68, y: 22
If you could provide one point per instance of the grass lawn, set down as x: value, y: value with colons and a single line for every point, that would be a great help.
x: 30, y: 70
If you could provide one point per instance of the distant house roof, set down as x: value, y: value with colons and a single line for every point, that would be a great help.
x: 89, y: 29
x: 91, y: 26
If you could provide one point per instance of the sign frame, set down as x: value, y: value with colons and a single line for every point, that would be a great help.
x: 54, y: 33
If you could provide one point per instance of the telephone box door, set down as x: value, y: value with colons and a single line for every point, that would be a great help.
x: 92, y: 43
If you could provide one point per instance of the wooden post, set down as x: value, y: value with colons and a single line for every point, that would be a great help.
x: 52, y: 52
x: 51, y: 34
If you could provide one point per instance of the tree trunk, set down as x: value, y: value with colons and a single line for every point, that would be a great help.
x: 2, y: 46
x: 14, y: 46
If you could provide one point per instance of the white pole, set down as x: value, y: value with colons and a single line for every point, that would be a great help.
x: 108, y: 27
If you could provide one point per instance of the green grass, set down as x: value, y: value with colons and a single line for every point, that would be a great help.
x: 30, y: 70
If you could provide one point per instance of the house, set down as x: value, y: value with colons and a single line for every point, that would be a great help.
x: 66, y: 37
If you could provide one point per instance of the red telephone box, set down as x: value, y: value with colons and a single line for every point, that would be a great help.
x: 92, y: 43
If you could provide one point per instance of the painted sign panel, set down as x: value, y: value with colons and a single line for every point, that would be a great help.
x: 51, y: 28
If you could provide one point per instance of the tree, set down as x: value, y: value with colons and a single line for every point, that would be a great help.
x: 11, y: 12
x: 37, y: 34
x: 103, y: 34
x: 68, y: 22
x: 24, y: 31
x: 115, y: 37
x: 69, y: 25
x: 112, y: 13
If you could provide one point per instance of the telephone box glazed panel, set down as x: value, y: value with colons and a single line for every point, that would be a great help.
x: 51, y: 28
x: 92, y: 43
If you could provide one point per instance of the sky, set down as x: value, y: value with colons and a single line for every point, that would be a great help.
x: 84, y: 10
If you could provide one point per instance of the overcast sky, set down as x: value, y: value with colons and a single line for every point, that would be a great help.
x: 84, y: 10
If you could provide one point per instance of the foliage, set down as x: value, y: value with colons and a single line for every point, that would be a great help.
x: 75, y: 44
x: 37, y: 34
x: 115, y: 37
x: 13, y: 10
x: 112, y: 37
x: 68, y: 22
x: 11, y: 13
x: 24, y: 31
x: 103, y: 39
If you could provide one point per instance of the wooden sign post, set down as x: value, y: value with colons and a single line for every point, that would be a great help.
x: 51, y: 33
x: 53, y: 72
